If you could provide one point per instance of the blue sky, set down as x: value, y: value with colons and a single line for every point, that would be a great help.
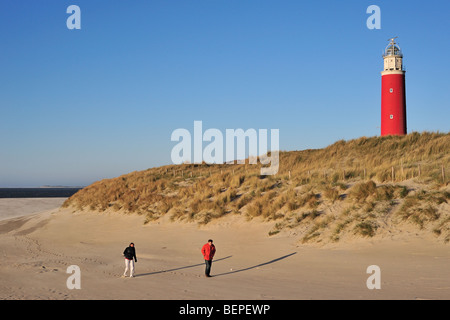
x: 82, y: 105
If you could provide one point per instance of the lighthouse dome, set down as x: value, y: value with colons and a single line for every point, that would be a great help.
x: 393, y: 49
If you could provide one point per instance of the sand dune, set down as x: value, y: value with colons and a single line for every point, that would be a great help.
x: 37, y: 249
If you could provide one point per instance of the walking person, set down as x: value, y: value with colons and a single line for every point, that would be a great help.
x: 208, y: 251
x: 130, y: 258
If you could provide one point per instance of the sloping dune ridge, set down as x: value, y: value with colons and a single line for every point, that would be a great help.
x: 366, y: 187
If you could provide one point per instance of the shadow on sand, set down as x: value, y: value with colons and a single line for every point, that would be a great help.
x: 220, y: 274
x: 180, y: 268
x: 256, y: 266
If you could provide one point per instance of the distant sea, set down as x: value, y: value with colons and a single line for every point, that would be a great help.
x: 37, y: 192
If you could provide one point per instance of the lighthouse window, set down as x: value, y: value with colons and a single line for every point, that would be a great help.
x: 391, y: 90
x: 391, y: 116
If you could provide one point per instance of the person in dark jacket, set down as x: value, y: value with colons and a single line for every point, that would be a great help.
x: 208, y: 251
x: 129, y: 254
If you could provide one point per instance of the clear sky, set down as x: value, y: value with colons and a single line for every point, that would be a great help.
x: 77, y: 106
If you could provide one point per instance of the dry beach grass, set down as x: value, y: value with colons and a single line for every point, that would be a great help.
x: 361, y: 187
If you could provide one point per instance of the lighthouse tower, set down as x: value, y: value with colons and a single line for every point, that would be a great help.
x: 393, y: 97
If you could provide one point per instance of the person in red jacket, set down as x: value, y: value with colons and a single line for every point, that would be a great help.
x: 208, y: 251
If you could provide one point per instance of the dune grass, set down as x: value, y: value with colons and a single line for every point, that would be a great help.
x: 362, y: 179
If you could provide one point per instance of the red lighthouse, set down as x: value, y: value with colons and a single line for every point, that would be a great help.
x: 393, y: 97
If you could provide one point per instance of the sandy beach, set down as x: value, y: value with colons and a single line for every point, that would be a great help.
x: 18, y: 207
x: 37, y: 247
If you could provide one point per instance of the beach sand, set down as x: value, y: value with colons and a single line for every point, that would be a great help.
x: 36, y: 250
x: 12, y: 208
